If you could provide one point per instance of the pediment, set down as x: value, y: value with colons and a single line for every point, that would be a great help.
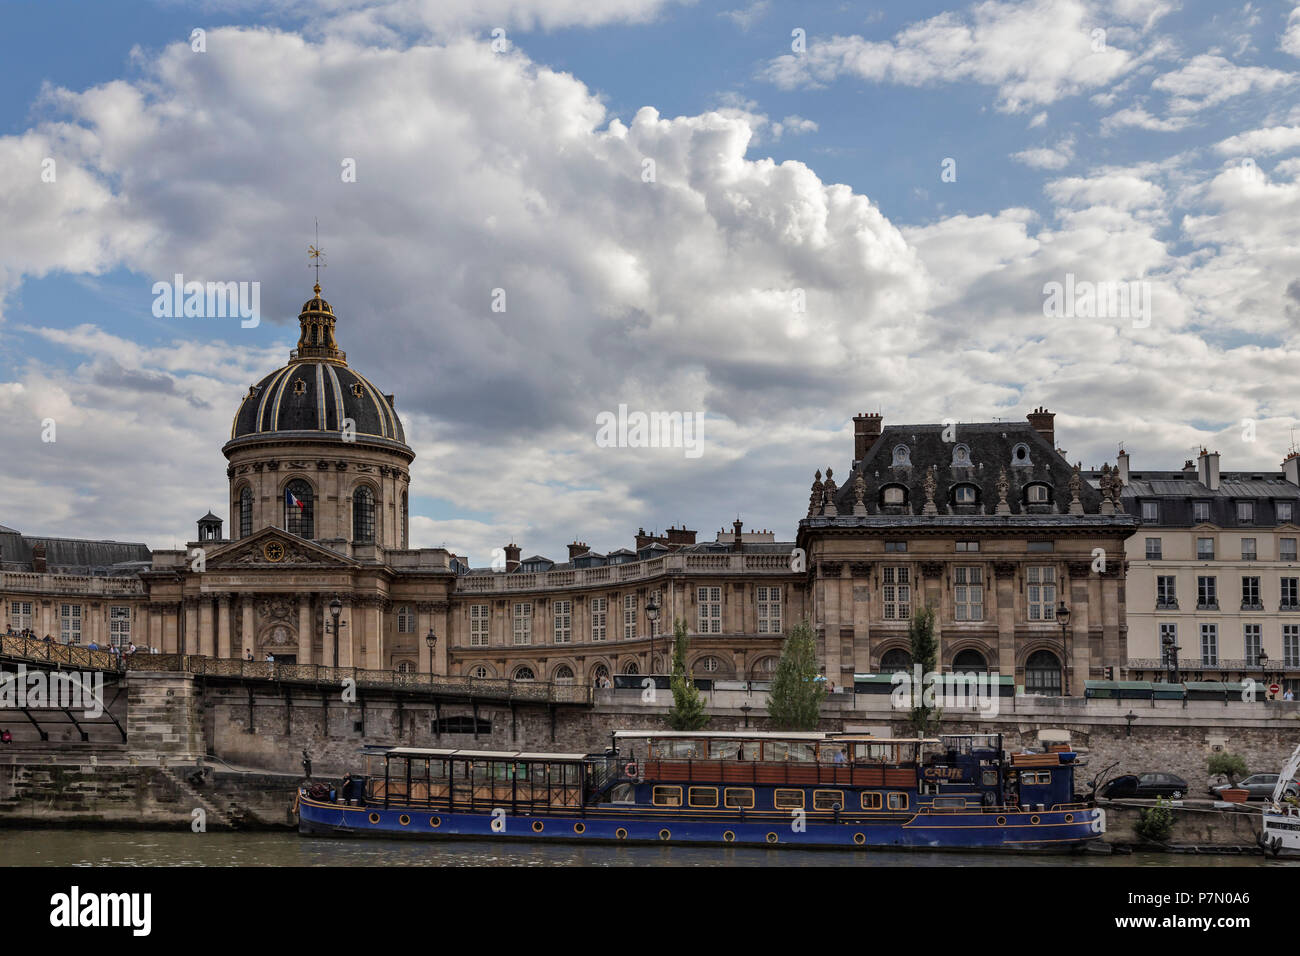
x: 273, y: 548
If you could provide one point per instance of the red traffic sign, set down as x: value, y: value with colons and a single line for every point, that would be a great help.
x: 1274, y: 688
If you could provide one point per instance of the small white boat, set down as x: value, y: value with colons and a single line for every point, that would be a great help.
x: 1280, y: 833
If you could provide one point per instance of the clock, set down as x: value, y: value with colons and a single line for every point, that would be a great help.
x: 273, y: 551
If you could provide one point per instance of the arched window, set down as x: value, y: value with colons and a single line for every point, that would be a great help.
x: 524, y: 673
x: 406, y: 522
x: 895, y: 660
x: 708, y: 665
x: 969, y: 660
x: 405, y: 667
x: 563, y: 673
x: 246, y: 512
x: 299, y: 509
x: 965, y: 494
x: 599, y: 674
x: 1020, y: 455
x: 902, y: 456
x: 479, y: 671
x: 363, y: 516
x: 631, y: 667
x: 1038, y: 493
x: 765, y: 669
x: 961, y: 456
x: 405, y: 620
x: 1043, y: 674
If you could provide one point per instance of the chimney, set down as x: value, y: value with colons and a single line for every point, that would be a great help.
x: 677, y: 537
x: 1291, y: 468
x: 1208, y: 469
x: 1121, y: 465
x: 512, y: 557
x: 38, y: 558
x: 577, y: 548
x: 737, y: 525
x: 866, y: 429
x: 1043, y: 422
x: 1189, y: 470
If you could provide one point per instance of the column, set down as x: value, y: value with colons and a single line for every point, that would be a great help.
x: 246, y: 607
x: 349, y: 641
x: 1080, y: 657
x: 441, y: 626
x: 1004, y: 575
x: 370, y: 616
x: 305, y: 629
x: 206, y: 643
x: 223, y: 625
x: 191, y: 633
x: 423, y: 621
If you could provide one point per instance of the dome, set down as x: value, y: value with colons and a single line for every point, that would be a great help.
x: 317, y: 391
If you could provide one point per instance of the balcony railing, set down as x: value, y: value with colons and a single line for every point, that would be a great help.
x: 617, y: 573
x: 37, y: 582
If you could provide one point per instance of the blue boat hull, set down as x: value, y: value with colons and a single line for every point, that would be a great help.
x: 1059, y: 830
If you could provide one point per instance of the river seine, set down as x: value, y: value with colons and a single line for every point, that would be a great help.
x: 183, y: 848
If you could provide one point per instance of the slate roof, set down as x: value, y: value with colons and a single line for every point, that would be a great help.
x: 1176, y: 493
x: 72, y: 555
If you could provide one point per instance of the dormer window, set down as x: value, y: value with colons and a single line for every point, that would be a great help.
x: 1020, y: 455
x: 894, y: 495
x: 961, y: 456
x: 965, y: 495
x: 1038, y: 494
x: 902, y: 456
x: 1245, y: 512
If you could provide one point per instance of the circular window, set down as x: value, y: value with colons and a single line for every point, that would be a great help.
x: 1033, y: 820
x: 580, y: 828
x: 1002, y: 821
x: 538, y: 826
x: 665, y: 835
x: 1069, y: 818
x: 771, y: 838
x: 435, y: 822
x: 728, y: 836
x: 374, y: 818
x: 621, y: 833
x: 859, y: 838
x: 404, y: 820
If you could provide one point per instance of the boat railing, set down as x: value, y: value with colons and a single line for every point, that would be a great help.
x: 794, y: 773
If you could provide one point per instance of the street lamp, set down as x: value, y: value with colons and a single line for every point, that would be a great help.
x: 1063, y: 615
x: 336, y: 608
x: 432, y: 640
x: 652, y: 612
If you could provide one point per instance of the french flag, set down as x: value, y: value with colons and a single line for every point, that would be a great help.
x: 292, y: 502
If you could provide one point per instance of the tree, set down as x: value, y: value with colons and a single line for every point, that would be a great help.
x: 1228, y: 765
x: 795, y: 701
x: 925, y: 651
x: 687, y: 712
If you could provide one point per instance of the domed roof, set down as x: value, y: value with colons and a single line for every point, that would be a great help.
x: 317, y: 391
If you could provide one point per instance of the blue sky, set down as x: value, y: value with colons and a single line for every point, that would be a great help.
x: 1167, y: 155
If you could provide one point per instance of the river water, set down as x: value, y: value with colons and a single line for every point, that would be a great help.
x: 182, y: 848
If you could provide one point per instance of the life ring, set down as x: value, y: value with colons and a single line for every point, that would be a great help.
x: 630, y: 769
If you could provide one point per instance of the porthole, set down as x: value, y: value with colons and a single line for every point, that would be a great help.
x: 1002, y: 821
x: 621, y: 833
x: 580, y: 828
x: 728, y: 836
x: 664, y: 834
x: 374, y: 818
x: 404, y: 820
x: 771, y: 838
x: 435, y: 822
x: 538, y: 826
x: 859, y: 838
x: 1034, y: 820
x: 1069, y: 818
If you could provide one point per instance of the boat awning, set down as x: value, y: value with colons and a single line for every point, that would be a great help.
x: 718, y: 735
x: 421, y: 752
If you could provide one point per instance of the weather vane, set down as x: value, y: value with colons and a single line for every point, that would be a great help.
x: 317, y: 254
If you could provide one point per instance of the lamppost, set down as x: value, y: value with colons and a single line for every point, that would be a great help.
x: 336, y: 608
x: 652, y: 612
x: 1171, y: 649
x: 432, y: 640
x: 1063, y: 616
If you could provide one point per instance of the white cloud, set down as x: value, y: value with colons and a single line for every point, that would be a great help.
x: 1208, y: 80
x: 1290, y: 41
x: 1047, y: 157
x: 1255, y: 142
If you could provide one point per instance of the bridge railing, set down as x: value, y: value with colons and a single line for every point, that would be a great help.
x: 72, y: 655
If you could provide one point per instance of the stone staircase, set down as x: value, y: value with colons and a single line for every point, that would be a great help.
x: 229, y: 818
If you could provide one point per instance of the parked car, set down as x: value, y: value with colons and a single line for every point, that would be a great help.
x: 1259, y: 786
x: 1146, y: 786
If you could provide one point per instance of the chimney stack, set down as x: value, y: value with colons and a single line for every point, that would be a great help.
x: 678, y: 537
x: 1121, y: 465
x: 577, y: 548
x: 737, y: 525
x: 1291, y: 468
x: 1189, y: 470
x: 1208, y: 469
x: 38, y: 559
x: 1043, y: 422
x: 866, y: 429
x: 512, y: 557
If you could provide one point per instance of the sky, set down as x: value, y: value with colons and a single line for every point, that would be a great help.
x: 764, y: 216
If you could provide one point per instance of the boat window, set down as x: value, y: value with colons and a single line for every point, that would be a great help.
x: 738, y: 798
x: 791, y: 750
x: 870, y: 800
x: 828, y: 799
x: 666, y: 796
x: 1035, y: 776
x: 826, y: 753
x: 990, y: 778
x: 788, y: 799
x: 734, y: 749
x: 623, y: 793
x: 677, y: 750
x: 875, y: 753
x: 898, y: 801
x: 702, y: 796
x: 949, y: 803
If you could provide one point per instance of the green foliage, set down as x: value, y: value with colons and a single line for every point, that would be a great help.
x: 1228, y: 765
x: 795, y: 702
x: 925, y: 651
x: 1155, y: 823
x: 688, y: 706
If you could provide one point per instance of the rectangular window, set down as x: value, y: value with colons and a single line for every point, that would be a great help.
x: 1040, y: 585
x: 405, y: 620
x: 1037, y: 494
x: 1210, y: 644
x: 702, y: 796
x: 119, y: 625
x: 1286, y: 549
x: 710, y: 604
x: 523, y: 623
x: 1041, y: 547
x: 738, y: 798
x: 1291, y: 645
x: 828, y: 799
x: 563, y: 622
x: 1150, y: 511
x: 1283, y: 512
x: 1166, y: 591
x: 20, y: 614
x: 657, y: 625
x: 1290, y: 592
x: 968, y: 593
x: 870, y: 800
x: 70, y: 623
x: 787, y: 799
x: 1253, y: 640
x: 893, y: 496
x: 964, y: 495
x: 666, y: 796
x: 1248, y: 552
x: 1207, y: 593
x: 629, y: 617
x: 968, y: 545
x: 898, y: 801
x: 899, y: 547
x: 1153, y: 549
x: 1250, y: 593
x: 1245, y: 512
x: 896, y: 591
x: 1168, y: 639
x: 478, y: 625
x: 1205, y: 549
x: 1201, y: 512
x: 769, y: 610
x: 599, y: 611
